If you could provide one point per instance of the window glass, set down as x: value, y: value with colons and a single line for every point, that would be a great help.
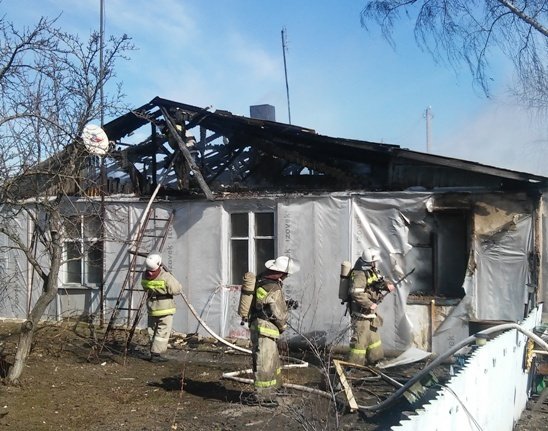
x: 92, y: 227
x: 73, y: 227
x: 74, y: 262
x: 95, y: 263
x: 264, y: 250
x: 239, y: 224
x: 264, y: 224
x: 239, y: 258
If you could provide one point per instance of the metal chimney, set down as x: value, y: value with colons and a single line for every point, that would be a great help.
x: 263, y: 112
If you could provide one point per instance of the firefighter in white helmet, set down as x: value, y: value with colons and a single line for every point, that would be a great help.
x: 268, y: 319
x: 160, y: 287
x: 367, y: 289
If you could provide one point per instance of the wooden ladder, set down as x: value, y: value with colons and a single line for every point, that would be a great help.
x: 152, y: 233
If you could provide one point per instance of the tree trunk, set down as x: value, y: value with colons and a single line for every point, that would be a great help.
x: 23, y: 350
x: 28, y: 328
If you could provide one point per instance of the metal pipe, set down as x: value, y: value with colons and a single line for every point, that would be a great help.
x: 399, y: 393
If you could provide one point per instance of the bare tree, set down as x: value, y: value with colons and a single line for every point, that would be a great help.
x: 50, y: 88
x: 472, y: 31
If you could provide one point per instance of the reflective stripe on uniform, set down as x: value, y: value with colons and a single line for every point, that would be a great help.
x: 269, y: 332
x: 374, y: 345
x: 153, y: 284
x: 261, y: 293
x: 374, y: 277
x: 266, y: 331
x: 359, y: 352
x: 265, y: 383
x: 159, y: 313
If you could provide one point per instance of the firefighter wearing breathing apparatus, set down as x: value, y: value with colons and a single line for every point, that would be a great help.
x: 160, y: 287
x: 366, y: 289
x: 267, y: 320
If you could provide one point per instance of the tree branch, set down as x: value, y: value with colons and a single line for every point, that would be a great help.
x: 529, y: 20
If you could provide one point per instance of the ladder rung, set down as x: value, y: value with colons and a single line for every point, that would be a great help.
x: 151, y: 216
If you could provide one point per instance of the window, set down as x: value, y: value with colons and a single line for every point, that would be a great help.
x: 440, y: 244
x: 251, y: 242
x: 83, y: 250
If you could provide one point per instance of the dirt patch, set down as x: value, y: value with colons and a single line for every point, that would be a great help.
x: 66, y: 387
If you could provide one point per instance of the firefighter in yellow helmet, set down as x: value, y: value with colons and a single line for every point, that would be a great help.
x: 160, y: 287
x: 268, y: 319
x: 367, y: 289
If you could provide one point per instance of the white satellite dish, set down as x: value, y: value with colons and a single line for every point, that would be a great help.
x: 95, y: 139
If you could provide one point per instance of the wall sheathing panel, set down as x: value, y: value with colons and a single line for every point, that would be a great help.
x: 19, y: 284
x: 316, y: 232
x: 320, y: 232
x: 14, y: 290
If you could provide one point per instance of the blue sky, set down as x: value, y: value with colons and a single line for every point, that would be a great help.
x: 343, y: 80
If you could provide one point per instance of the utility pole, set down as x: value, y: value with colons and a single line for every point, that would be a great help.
x: 103, y: 171
x: 284, y: 48
x: 101, y: 66
x: 428, y: 116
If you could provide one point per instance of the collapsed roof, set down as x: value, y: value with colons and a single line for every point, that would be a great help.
x: 192, y: 150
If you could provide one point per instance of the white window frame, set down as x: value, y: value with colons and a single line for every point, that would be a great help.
x: 251, y: 239
x: 85, y: 244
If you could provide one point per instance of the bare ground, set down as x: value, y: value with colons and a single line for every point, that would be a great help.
x: 66, y: 386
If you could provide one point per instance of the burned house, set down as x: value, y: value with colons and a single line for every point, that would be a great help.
x: 219, y: 194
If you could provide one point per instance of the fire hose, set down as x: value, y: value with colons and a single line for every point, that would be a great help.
x: 234, y: 375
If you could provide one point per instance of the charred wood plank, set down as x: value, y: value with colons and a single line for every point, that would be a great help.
x: 186, y: 153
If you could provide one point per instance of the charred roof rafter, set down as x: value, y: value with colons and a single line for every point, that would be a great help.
x: 257, y: 154
x: 282, y: 151
x: 172, y: 126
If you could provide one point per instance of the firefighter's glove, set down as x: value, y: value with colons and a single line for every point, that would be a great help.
x: 283, y: 347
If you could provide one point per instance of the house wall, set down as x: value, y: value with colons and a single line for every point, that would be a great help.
x: 498, y: 274
x: 20, y: 285
x: 320, y: 232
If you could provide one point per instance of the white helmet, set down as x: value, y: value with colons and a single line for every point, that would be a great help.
x: 370, y: 255
x: 283, y: 264
x: 153, y: 261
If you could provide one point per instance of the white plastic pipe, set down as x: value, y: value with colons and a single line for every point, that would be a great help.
x: 208, y: 329
x: 234, y: 375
